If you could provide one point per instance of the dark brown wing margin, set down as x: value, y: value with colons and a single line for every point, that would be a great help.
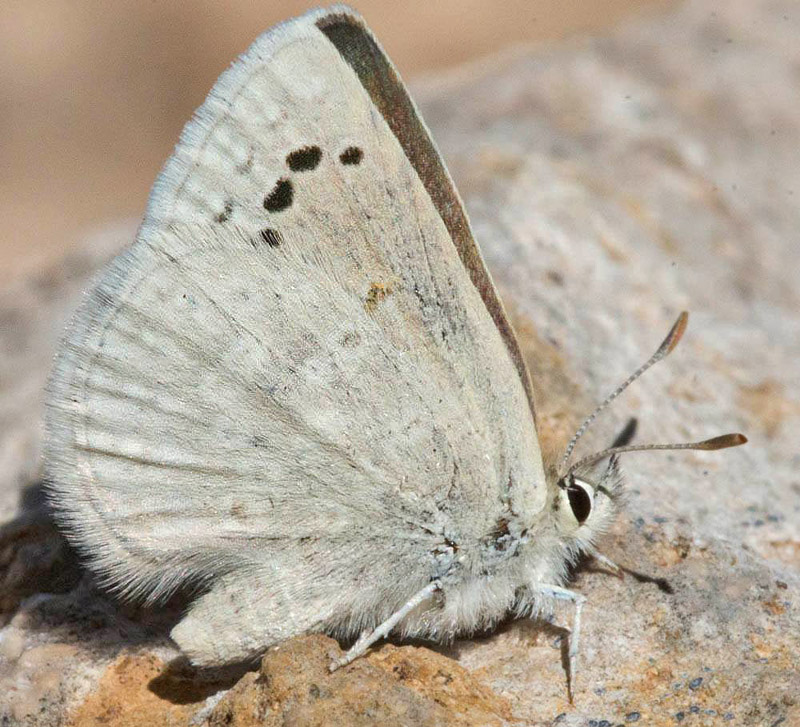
x: 379, y: 77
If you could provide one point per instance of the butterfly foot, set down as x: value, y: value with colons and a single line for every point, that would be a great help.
x: 607, y: 563
x: 338, y: 660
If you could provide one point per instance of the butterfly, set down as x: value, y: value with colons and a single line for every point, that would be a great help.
x: 298, y: 392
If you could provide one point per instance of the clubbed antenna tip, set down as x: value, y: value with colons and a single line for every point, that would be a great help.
x: 722, y: 442
x: 674, y: 336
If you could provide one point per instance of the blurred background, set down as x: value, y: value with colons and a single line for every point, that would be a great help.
x: 94, y: 94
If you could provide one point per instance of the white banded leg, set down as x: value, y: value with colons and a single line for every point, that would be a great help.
x: 564, y: 594
x: 368, y: 638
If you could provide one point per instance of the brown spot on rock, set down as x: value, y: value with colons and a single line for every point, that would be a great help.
x: 499, y: 162
x: 786, y: 550
x: 555, y: 277
x: 774, y: 606
x: 768, y: 405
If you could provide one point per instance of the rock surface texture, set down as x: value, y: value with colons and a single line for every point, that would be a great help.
x: 611, y: 183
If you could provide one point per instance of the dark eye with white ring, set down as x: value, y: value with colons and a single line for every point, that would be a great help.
x: 580, y: 501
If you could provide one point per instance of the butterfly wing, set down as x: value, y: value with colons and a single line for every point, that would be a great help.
x: 298, y: 383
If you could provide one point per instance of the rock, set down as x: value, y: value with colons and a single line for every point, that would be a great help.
x: 139, y: 688
x: 612, y: 182
x: 399, y: 686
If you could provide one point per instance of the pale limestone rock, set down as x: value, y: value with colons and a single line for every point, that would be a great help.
x: 612, y: 183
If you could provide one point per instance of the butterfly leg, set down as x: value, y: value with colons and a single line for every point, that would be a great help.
x: 564, y: 594
x: 607, y: 563
x: 368, y: 638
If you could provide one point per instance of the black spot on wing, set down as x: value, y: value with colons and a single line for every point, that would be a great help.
x: 280, y: 197
x: 305, y: 159
x: 270, y: 236
x: 351, y: 155
x: 225, y: 215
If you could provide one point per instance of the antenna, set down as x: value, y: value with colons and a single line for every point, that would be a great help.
x: 666, y: 347
x: 722, y: 442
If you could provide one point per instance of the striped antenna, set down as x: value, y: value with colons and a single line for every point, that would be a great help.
x: 666, y: 347
x: 722, y: 442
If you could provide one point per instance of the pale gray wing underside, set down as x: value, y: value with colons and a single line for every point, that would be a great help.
x: 290, y: 379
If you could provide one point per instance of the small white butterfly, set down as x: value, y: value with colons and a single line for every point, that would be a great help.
x: 298, y: 390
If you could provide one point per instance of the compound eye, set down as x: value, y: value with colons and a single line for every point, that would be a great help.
x: 580, y: 501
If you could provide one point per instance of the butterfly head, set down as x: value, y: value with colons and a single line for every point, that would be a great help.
x: 585, y: 499
x: 586, y: 502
